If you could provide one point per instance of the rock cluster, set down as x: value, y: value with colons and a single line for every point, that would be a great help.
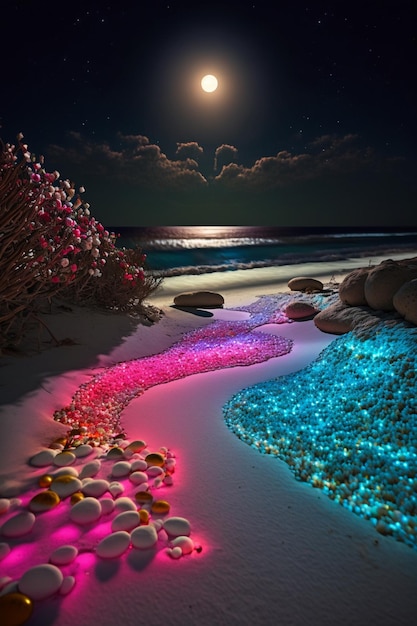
x: 390, y: 286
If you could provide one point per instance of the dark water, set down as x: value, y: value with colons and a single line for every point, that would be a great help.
x: 201, y: 249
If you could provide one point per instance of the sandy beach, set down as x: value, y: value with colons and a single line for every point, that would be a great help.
x: 268, y: 549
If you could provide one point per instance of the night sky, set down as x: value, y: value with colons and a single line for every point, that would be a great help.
x: 313, y: 122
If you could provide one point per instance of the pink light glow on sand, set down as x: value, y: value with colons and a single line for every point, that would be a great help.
x: 97, y: 404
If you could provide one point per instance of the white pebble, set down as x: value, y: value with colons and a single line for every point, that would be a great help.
x: 116, y: 489
x: 43, y: 458
x: 65, y: 471
x: 176, y: 526
x: 114, y: 545
x: 121, y: 468
x: 63, y: 555
x: 66, y: 488
x: 67, y: 585
x: 63, y: 459
x: 137, y: 478
x: 4, y: 505
x: 175, y: 553
x: 125, y: 504
x: 19, y: 525
x: 107, y: 506
x: 144, y: 537
x: 41, y: 581
x: 4, y: 550
x: 154, y: 470
x: 84, y: 450
x: 158, y: 482
x: 86, y: 511
x: 90, y: 469
x: 185, y: 543
x: 128, y: 520
x: 95, y: 488
x: 139, y: 465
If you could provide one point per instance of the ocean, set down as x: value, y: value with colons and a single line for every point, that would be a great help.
x: 181, y: 250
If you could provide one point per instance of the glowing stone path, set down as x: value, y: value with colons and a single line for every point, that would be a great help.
x: 347, y: 424
x: 97, y: 405
x: 92, y: 495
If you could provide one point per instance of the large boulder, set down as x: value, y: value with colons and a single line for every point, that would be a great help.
x: 304, y: 283
x: 405, y: 301
x: 339, y: 318
x: 205, y: 299
x: 352, y: 287
x: 299, y: 310
x: 384, y: 280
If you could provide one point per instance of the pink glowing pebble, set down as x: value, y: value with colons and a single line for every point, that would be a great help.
x: 83, y: 450
x: 168, y: 480
x: 128, y: 520
x: 176, y: 526
x: 86, y: 511
x: 5, y: 581
x: 4, y: 550
x: 19, y: 525
x: 170, y: 465
x: 116, y: 489
x: 95, y: 488
x: 41, y: 581
x: 113, y: 545
x: 154, y: 471
x: 137, y: 478
x: 139, y: 465
x: 185, y: 543
x: 91, y: 469
x: 120, y: 469
x: 107, y: 506
x: 63, y: 555
x: 124, y: 504
x: 65, y: 458
x: 144, y: 537
x: 43, y: 458
x: 67, y: 585
x: 4, y: 505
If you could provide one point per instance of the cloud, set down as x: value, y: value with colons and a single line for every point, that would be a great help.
x: 189, y: 150
x: 328, y: 155
x: 224, y: 155
x: 135, y: 161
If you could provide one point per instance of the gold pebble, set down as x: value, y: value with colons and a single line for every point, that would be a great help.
x: 155, y: 458
x: 45, y: 480
x: 143, y: 497
x: 77, y: 497
x: 15, y: 609
x: 160, y: 507
x: 144, y: 517
x: 44, y: 501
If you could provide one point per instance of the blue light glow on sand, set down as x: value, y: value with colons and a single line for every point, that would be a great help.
x: 347, y: 424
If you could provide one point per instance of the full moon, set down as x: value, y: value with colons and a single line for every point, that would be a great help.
x: 209, y: 83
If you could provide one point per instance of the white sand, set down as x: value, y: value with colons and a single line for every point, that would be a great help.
x: 275, y: 551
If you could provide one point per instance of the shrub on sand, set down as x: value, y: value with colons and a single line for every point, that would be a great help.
x: 51, y: 245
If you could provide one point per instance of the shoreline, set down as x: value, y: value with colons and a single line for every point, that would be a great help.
x: 271, y: 545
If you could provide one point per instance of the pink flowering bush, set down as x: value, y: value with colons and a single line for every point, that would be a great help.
x: 50, y: 244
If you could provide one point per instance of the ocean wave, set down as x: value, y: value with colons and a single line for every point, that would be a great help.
x: 287, y: 259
